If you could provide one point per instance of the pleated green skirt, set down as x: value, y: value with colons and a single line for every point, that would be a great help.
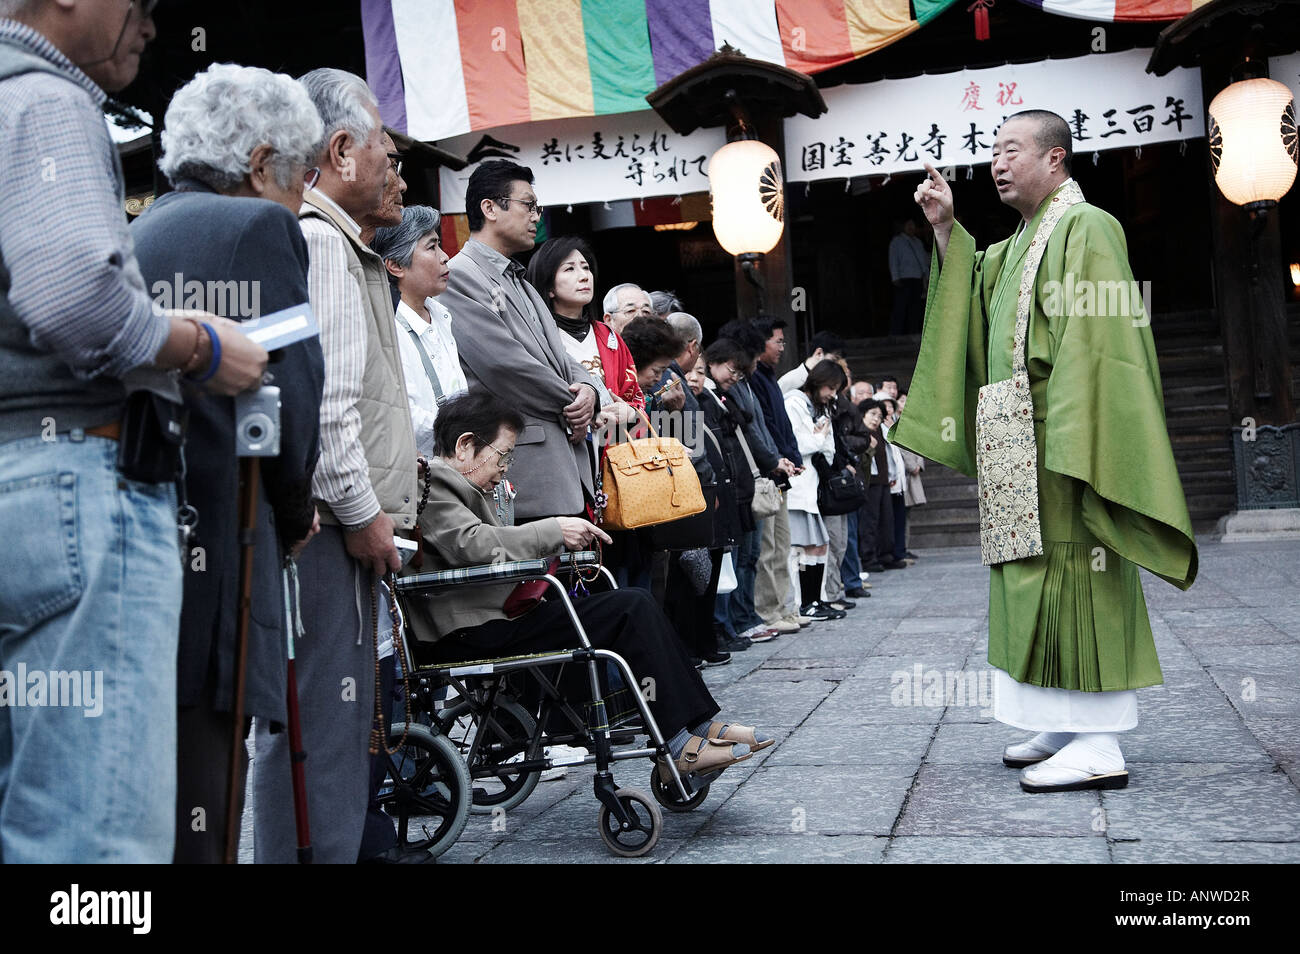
x: 1075, y: 617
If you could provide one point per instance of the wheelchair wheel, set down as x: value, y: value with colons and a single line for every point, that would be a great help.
x: 427, y: 789
x: 642, y: 835
x: 501, y: 740
x: 666, y: 794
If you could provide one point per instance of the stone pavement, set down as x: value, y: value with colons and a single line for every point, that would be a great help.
x: 873, y: 764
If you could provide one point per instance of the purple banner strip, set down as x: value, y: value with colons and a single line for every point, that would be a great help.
x: 383, y: 64
x: 681, y: 35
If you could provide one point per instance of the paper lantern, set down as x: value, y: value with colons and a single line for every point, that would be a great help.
x: 1253, y: 145
x: 748, y: 201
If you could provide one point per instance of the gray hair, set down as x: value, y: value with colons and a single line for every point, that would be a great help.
x: 397, y: 243
x: 687, y: 326
x: 341, y: 99
x: 610, y: 303
x: 665, y: 303
x: 216, y: 120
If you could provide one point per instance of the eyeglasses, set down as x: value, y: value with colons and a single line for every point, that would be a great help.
x: 530, y: 204
x: 310, y: 178
x: 739, y: 375
x: 395, y: 162
x: 504, y: 460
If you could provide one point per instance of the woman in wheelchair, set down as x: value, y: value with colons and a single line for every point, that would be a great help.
x: 474, y: 437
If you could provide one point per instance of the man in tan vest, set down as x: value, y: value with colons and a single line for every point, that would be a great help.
x: 365, y: 489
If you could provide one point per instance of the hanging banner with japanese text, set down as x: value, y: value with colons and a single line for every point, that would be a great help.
x: 891, y: 126
x: 590, y: 159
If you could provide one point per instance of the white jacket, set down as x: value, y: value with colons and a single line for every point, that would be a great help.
x: 803, y: 488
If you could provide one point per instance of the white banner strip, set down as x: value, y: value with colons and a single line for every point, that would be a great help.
x: 591, y: 158
x: 891, y: 126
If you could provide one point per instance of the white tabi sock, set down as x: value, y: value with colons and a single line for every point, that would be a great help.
x: 1093, y: 753
x: 1052, y: 741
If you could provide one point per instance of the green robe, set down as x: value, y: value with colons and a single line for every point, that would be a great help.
x: 1109, y: 495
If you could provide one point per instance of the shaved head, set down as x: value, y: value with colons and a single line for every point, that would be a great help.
x: 1050, y: 131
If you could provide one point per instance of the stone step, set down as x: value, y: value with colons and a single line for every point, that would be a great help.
x: 958, y: 538
x: 939, y: 518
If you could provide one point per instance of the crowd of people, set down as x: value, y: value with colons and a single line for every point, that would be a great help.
x: 473, y: 368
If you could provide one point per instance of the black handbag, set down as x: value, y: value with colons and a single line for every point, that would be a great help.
x: 839, y: 492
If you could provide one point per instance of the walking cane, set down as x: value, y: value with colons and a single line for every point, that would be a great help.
x: 297, y: 757
x: 248, y: 474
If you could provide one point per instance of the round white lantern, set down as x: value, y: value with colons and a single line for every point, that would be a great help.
x: 748, y: 197
x: 1253, y: 145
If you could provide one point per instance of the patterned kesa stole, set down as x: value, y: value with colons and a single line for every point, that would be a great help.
x: 1006, y: 453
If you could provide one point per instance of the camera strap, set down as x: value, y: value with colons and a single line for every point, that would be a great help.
x: 187, y: 518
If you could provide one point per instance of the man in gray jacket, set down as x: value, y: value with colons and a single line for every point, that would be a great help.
x: 509, y: 345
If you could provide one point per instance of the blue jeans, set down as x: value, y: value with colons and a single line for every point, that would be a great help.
x: 90, y: 590
x: 740, y: 605
x: 851, y: 565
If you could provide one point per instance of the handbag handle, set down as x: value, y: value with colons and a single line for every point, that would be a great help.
x: 649, y: 426
x: 744, y: 444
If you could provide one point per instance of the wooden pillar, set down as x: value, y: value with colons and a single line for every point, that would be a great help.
x: 1249, y: 295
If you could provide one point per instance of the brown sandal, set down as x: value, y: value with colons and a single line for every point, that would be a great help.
x: 703, y: 757
x: 735, y: 732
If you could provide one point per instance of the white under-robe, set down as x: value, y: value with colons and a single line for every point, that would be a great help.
x: 1040, y: 709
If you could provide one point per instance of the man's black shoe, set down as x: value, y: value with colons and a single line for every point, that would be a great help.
x: 716, y: 659
x: 894, y: 565
x: 858, y: 594
x: 911, y: 556
x: 874, y: 568
x: 737, y: 645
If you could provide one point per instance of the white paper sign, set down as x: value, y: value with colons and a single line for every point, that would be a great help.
x: 590, y: 158
x: 1109, y: 100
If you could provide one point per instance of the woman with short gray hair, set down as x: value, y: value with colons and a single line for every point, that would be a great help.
x: 235, y: 138
x: 417, y: 265
x: 242, y: 130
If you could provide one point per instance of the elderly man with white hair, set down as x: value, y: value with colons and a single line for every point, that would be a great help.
x: 624, y: 302
x: 237, y: 145
x: 365, y: 488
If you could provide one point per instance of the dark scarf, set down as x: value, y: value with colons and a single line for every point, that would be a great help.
x: 576, y: 327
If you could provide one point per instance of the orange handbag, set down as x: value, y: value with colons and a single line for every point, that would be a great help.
x: 648, y: 481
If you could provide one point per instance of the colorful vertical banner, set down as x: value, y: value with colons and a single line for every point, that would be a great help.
x: 441, y: 68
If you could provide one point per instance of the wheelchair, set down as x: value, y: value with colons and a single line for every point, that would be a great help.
x: 506, y: 711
